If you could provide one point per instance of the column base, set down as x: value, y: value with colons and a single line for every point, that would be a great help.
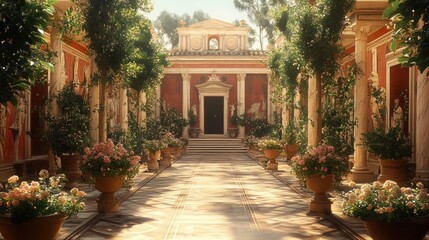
x: 320, y: 205
x: 361, y: 176
x: 272, y: 166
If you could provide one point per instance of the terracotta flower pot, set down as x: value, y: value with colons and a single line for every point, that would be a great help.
x: 70, y: 167
x: 166, y: 157
x: 108, y: 185
x: 291, y: 150
x: 39, y: 228
x: 414, y: 229
x: 153, y: 164
x: 320, y: 204
x: 393, y: 169
x: 271, y: 155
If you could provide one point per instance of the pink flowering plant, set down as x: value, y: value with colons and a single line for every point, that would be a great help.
x: 108, y: 159
x: 320, y: 160
x: 23, y: 201
x: 386, y: 202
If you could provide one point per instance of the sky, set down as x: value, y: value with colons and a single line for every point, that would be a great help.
x: 220, y: 9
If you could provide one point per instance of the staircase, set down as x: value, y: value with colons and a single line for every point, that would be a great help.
x: 203, y: 145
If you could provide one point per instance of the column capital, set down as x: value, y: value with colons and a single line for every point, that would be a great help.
x: 241, y: 76
x: 186, y: 76
x: 361, y: 31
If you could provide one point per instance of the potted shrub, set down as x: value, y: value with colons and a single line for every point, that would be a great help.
x: 317, y: 169
x: 109, y: 166
x: 393, y: 149
x: 389, y: 211
x: 192, y: 119
x: 37, y: 209
x: 233, y: 129
x: 153, y: 149
x: 68, y: 133
x: 290, y: 136
x: 272, y: 148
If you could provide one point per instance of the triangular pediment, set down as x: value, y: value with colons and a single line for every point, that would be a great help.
x: 214, y: 84
x: 210, y: 24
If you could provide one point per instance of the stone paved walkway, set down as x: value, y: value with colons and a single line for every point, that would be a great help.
x: 205, y: 197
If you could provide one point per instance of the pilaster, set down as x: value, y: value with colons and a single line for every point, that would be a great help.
x: 241, y: 100
x: 123, y: 108
x: 186, y: 100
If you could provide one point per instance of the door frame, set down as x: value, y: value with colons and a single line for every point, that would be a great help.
x: 225, y: 109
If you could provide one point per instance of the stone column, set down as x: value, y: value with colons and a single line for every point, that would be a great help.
x: 422, y: 128
x: 285, y: 112
x: 123, y: 108
x: 314, y: 105
x: 270, y: 116
x: 186, y: 99
x: 360, y: 171
x: 241, y: 100
x: 142, y: 113
x: 94, y: 104
x: 55, y: 84
x: 297, y: 102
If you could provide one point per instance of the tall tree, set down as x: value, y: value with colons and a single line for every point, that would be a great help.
x: 108, y: 26
x: 257, y: 11
x: 22, y: 60
x: 146, y: 63
x: 167, y: 23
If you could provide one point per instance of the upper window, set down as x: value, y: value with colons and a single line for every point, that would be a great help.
x: 213, y: 44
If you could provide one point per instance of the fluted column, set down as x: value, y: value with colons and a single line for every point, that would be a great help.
x: 360, y: 171
x: 241, y: 100
x: 123, y: 108
x: 270, y: 116
x: 142, y: 113
x: 186, y: 99
x: 94, y: 104
x: 422, y: 127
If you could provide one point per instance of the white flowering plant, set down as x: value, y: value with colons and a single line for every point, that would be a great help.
x: 321, y: 160
x: 153, y: 145
x: 270, y: 143
x: 386, y: 202
x: 23, y: 201
x: 108, y: 159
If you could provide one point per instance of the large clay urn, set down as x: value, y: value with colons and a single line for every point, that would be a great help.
x: 272, y: 154
x: 320, y: 204
x: 153, y: 164
x: 166, y: 157
x: 413, y: 229
x: 394, y: 170
x: 39, y: 228
x: 291, y: 150
x: 108, y: 186
x: 70, y: 167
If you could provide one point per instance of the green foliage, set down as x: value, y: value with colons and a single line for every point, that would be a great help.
x: 290, y: 133
x: 319, y: 38
x: 22, y: 59
x: 386, y: 202
x: 25, y: 201
x: 172, y: 121
x: 167, y: 22
x: 338, y: 122
x: 405, y: 16
x: 68, y: 133
x: 192, y: 118
x: 390, y: 144
x: 259, y: 127
x: 145, y: 65
x: 387, y: 143
x: 153, y: 145
x: 270, y: 143
x: 257, y: 11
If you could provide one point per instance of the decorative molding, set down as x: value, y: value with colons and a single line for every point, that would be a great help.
x: 217, y: 70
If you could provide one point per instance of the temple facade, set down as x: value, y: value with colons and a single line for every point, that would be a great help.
x: 214, y: 74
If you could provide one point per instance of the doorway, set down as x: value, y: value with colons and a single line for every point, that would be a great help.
x: 213, y: 115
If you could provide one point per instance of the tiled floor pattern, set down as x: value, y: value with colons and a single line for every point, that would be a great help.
x: 212, y: 197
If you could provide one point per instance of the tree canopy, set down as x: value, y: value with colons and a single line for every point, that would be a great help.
x: 22, y: 59
x: 167, y: 22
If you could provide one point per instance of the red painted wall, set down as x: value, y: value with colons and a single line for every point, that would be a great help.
x: 171, y: 91
x: 69, y: 63
x: 381, y: 64
x: 256, y: 90
x: 399, y: 83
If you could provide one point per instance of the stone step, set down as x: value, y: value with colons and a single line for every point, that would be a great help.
x: 215, y: 145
